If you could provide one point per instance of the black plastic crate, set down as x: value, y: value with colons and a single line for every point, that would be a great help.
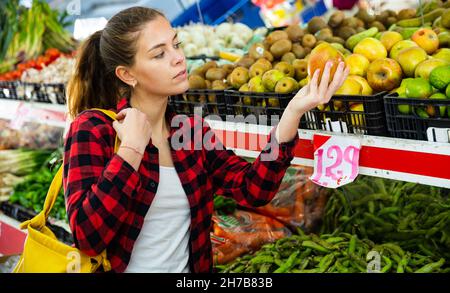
x: 271, y: 105
x: 211, y: 102
x: 53, y: 93
x: 409, y: 124
x: 369, y: 120
x: 22, y: 214
x: 11, y: 90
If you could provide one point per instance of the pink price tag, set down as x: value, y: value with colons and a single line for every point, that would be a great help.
x: 336, y: 160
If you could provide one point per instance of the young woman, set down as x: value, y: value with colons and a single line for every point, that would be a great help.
x: 150, y: 204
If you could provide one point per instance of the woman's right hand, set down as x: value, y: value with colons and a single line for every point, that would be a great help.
x: 133, y: 129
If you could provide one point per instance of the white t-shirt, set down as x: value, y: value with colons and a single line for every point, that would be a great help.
x: 163, y: 243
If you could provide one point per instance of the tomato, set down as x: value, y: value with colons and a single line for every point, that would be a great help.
x: 22, y: 66
x: 52, y: 53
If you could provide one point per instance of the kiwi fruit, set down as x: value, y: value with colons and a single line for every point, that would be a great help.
x: 365, y: 16
x: 245, y: 62
x: 360, y: 29
x: 382, y: 17
x: 378, y: 25
x: 336, y: 19
x: 208, y: 84
x: 351, y: 22
x: 307, y: 51
x: 198, y: 71
x: 391, y: 13
x: 345, y: 32
x: 280, y: 47
x: 295, y: 33
x: 196, y: 82
x: 256, y: 50
x: 323, y: 34
x: 228, y: 68
x: 276, y: 36
x: 308, y: 41
x: 390, y: 21
x: 218, y: 85
x: 216, y: 74
x: 209, y: 64
x: 336, y: 40
x: 320, y: 42
x: 298, y: 51
x: 288, y: 57
x: 316, y: 24
x: 360, y: 23
x: 406, y: 13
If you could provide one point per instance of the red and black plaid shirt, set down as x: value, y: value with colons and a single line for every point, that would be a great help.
x: 107, y: 199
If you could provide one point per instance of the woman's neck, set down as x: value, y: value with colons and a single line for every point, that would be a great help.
x: 155, y: 109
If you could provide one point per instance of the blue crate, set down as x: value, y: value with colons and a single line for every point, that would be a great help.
x: 215, y: 12
x: 318, y: 9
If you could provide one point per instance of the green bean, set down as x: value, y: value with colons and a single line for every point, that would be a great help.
x: 265, y: 268
x: 288, y: 264
x: 431, y: 267
x: 314, y: 246
x: 352, y: 245
x: 261, y: 259
x: 388, y: 265
x: 325, y: 262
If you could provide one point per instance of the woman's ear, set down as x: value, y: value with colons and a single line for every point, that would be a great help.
x: 124, y: 74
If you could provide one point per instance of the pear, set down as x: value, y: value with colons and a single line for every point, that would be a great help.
x: 300, y: 68
x: 266, y: 63
x: 286, y: 85
x: 255, y: 85
x: 286, y: 68
x: 257, y: 70
x: 238, y: 77
x: 270, y: 79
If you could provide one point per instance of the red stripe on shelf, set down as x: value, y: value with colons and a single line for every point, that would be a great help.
x: 419, y: 163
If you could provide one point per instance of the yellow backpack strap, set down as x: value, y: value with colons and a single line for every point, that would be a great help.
x: 39, y: 221
x: 112, y: 115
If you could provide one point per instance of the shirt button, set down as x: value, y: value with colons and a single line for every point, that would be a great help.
x: 152, y: 184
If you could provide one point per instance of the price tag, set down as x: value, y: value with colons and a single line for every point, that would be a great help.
x: 336, y: 160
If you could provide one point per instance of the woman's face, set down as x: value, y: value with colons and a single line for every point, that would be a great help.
x: 160, y: 65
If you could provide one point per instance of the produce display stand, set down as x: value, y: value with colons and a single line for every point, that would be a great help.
x: 402, y: 159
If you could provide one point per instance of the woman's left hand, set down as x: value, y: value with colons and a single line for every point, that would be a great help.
x: 314, y: 94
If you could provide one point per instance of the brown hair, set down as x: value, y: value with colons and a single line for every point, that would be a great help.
x: 94, y: 83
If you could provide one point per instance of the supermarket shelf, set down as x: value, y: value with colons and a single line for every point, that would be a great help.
x: 407, y: 160
x: 402, y: 159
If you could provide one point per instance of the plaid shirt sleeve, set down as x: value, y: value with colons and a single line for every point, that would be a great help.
x: 98, y: 183
x: 250, y: 184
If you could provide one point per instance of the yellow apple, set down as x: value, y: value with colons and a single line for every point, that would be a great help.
x: 371, y: 48
x: 366, y: 90
x: 384, y: 74
x: 357, y: 64
x: 390, y: 38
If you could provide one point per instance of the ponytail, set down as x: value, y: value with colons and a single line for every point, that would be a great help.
x: 87, y: 87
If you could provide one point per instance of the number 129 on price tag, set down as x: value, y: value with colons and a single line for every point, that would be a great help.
x: 336, y: 160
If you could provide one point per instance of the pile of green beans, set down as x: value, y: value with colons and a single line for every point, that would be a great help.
x: 415, y: 217
x: 331, y: 253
